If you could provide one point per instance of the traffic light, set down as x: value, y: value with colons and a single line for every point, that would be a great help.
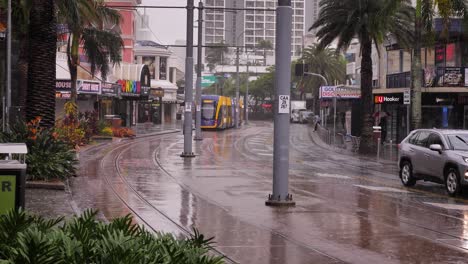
x: 301, y: 69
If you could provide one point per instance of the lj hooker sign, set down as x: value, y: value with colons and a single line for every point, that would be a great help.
x: 388, y: 99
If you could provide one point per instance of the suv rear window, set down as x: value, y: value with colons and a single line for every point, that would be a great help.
x: 422, y: 139
x: 413, y: 138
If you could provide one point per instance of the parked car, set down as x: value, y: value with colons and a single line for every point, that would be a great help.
x: 305, y: 116
x: 435, y: 155
x: 295, y: 115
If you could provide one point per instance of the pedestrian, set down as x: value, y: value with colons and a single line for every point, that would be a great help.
x: 317, y: 122
x: 343, y: 120
x: 383, y: 129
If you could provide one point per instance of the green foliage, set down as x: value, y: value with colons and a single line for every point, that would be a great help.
x: 48, y: 157
x: 28, y: 239
x: 107, y: 132
x: 216, y: 55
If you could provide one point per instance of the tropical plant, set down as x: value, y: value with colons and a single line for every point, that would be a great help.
x: 369, y: 21
x: 85, y: 20
x: 107, y: 132
x: 216, y: 55
x: 265, y: 45
x: 42, y: 36
x: 425, y: 10
x: 48, y: 157
x: 326, y: 62
x: 25, y: 238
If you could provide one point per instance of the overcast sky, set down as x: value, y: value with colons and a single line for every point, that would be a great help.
x: 168, y: 25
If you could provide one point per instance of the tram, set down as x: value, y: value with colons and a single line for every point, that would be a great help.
x: 218, y: 112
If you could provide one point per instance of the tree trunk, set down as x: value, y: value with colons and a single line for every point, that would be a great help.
x: 41, y: 71
x: 416, y: 79
x: 367, y: 144
x: 72, y: 54
x: 23, y: 65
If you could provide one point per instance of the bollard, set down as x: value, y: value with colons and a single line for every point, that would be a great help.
x: 391, y: 149
x: 378, y: 148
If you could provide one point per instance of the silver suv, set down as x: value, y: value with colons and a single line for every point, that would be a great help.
x: 435, y: 155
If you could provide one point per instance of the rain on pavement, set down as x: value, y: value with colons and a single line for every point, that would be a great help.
x: 349, y: 210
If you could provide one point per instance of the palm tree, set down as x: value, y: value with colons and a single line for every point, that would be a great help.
x: 85, y: 20
x: 425, y: 10
x: 265, y: 45
x: 42, y: 53
x: 369, y: 21
x: 326, y: 62
x: 215, y: 55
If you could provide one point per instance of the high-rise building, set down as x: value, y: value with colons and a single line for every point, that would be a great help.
x: 249, y: 27
x: 311, y: 14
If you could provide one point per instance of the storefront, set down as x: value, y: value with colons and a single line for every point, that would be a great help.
x: 127, y: 107
x: 87, y: 95
x: 108, y: 99
x: 442, y: 110
x: 391, y: 115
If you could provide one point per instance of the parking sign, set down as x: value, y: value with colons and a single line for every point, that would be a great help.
x: 283, y: 104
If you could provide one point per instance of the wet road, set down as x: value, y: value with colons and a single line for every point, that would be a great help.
x: 349, y: 210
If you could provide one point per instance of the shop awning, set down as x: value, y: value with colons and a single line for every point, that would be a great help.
x: 166, y: 85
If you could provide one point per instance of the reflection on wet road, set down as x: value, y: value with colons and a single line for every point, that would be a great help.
x: 348, y: 209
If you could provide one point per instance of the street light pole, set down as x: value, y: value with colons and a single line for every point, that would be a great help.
x: 237, y: 87
x: 188, y: 153
x: 246, y: 97
x: 198, y: 133
x: 326, y: 83
x: 281, y: 196
x: 6, y: 109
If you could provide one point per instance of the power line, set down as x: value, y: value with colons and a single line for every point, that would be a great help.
x: 183, y: 7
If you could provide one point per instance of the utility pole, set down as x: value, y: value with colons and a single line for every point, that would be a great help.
x: 246, y: 97
x: 6, y: 109
x: 281, y: 196
x: 237, y: 87
x: 198, y: 133
x: 188, y: 153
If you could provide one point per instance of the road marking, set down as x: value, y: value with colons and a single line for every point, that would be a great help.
x: 330, y: 175
x: 265, y: 154
x: 461, y: 207
x: 382, y: 189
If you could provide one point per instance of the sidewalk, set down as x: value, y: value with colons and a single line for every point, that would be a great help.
x: 53, y: 203
x: 388, y: 154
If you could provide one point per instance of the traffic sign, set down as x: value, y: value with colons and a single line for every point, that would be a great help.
x: 407, y: 97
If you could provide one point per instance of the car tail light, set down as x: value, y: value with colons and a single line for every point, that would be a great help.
x: 399, y: 146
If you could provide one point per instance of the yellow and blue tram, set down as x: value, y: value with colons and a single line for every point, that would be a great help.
x: 218, y: 112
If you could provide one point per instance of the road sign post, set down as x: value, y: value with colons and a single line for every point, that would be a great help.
x: 198, y: 132
x: 407, y: 102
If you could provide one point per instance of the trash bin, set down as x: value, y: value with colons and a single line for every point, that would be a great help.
x: 12, y: 177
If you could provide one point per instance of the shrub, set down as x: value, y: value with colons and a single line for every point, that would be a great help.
x: 29, y: 239
x: 107, y: 131
x: 48, y: 157
x: 123, y: 132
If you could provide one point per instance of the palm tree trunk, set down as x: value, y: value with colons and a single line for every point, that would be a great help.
x: 41, y: 71
x: 72, y: 54
x: 23, y: 65
x: 367, y: 145
x: 416, y: 79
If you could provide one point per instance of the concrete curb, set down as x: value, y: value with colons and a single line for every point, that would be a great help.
x: 60, y: 186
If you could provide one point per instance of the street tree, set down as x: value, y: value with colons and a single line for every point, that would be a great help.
x: 216, y: 55
x: 89, y: 22
x: 425, y: 10
x: 326, y: 62
x: 42, y: 35
x: 265, y: 45
x: 369, y: 21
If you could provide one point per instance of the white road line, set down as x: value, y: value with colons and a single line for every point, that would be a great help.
x: 382, y: 189
x: 461, y: 207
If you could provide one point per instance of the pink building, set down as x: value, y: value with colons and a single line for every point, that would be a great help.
x: 127, y: 26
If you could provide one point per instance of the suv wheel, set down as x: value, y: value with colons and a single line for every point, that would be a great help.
x: 406, y: 174
x: 452, y: 182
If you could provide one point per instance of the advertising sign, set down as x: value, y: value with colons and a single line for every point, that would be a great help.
x: 110, y: 89
x: 62, y: 85
x: 388, y: 99
x: 341, y: 92
x: 284, y: 104
x: 130, y: 88
x: 7, y: 193
x: 453, y: 76
x: 88, y: 87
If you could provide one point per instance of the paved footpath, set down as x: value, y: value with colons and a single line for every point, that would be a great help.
x: 349, y: 209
